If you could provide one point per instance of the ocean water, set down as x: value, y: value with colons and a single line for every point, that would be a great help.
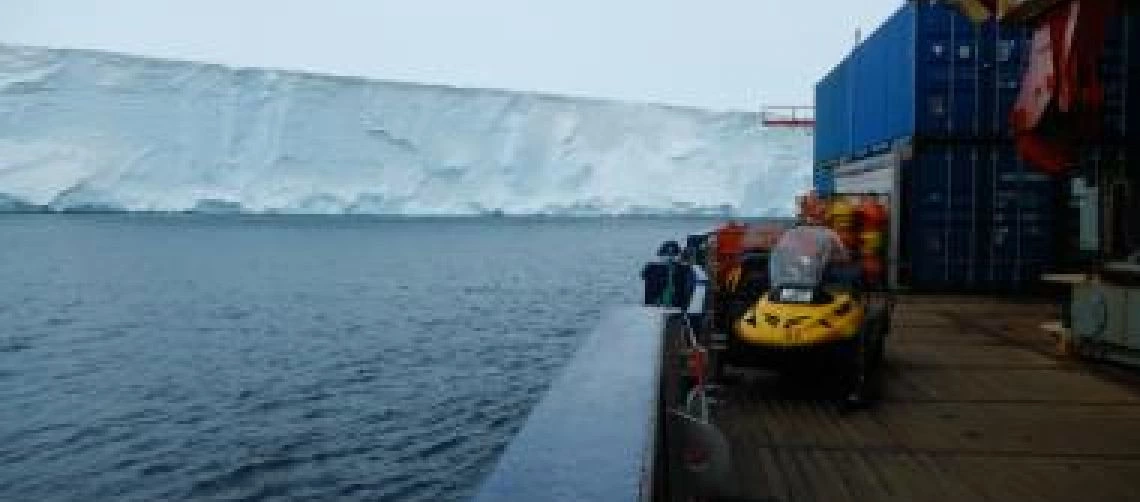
x: 177, y: 357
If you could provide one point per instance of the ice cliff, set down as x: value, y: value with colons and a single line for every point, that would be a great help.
x: 83, y: 130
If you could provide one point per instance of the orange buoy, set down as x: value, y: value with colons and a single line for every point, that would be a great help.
x: 872, y: 214
x: 871, y: 240
x: 873, y: 269
x: 729, y: 238
x: 848, y: 237
x: 841, y: 214
x: 729, y: 245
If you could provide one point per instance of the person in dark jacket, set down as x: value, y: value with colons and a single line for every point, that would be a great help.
x: 659, y: 275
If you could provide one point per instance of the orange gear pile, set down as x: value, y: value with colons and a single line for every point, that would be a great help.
x: 862, y: 229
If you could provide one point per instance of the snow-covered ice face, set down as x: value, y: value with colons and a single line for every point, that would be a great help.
x: 93, y: 130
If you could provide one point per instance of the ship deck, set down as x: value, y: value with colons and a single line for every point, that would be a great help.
x: 976, y: 405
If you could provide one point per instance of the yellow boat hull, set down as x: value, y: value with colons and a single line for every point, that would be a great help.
x: 782, y: 325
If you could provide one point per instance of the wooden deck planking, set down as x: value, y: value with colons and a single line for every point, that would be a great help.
x: 974, y: 408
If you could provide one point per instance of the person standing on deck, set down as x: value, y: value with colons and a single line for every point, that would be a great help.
x: 658, y: 275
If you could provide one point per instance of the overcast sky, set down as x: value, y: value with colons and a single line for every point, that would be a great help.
x: 723, y: 54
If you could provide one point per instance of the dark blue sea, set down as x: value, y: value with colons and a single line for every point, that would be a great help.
x: 195, y: 357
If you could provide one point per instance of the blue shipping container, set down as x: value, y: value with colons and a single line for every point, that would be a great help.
x: 975, y: 217
x: 831, y: 116
x: 823, y: 180
x: 927, y: 72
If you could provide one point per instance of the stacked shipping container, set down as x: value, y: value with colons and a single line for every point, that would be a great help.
x: 930, y: 92
x: 976, y: 217
x: 927, y: 73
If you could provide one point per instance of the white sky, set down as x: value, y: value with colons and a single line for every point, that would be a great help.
x: 722, y: 54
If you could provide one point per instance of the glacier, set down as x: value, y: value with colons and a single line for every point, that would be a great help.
x: 86, y: 130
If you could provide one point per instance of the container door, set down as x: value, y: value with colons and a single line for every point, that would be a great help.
x: 1003, y: 50
x: 966, y: 216
x: 1023, y: 219
x: 949, y: 67
x: 928, y: 203
x: 977, y: 218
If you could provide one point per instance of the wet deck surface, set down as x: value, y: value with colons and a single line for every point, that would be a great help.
x: 975, y: 406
